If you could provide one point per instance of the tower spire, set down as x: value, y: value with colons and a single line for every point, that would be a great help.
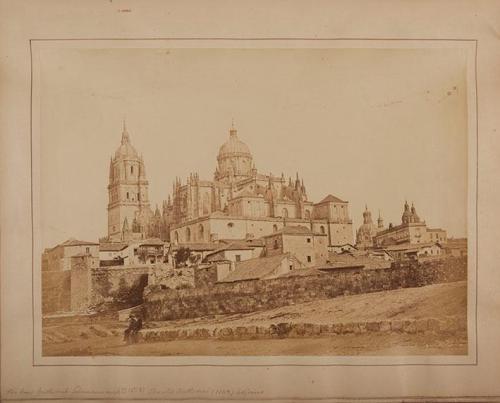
x: 125, y: 135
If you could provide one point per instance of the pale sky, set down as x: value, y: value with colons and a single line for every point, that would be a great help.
x: 371, y: 126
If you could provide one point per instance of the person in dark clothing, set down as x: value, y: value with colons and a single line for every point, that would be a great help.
x: 134, y: 325
x: 137, y: 327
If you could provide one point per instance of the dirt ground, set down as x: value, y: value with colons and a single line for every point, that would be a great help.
x: 353, y: 344
x: 91, y: 337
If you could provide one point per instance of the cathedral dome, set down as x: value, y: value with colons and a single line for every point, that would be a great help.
x: 234, y: 159
x: 234, y: 147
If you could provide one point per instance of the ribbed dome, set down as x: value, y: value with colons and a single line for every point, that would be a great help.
x: 233, y: 147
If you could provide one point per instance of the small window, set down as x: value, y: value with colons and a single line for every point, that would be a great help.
x: 132, y: 169
x: 291, y: 267
x: 276, y: 244
x: 308, y: 240
x: 128, y: 196
x: 238, y: 258
x: 138, y: 196
x: 230, y: 225
x: 309, y: 259
x: 87, y: 250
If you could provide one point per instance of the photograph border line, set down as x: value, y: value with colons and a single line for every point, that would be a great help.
x: 475, y: 363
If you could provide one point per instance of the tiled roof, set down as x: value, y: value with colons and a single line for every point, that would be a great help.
x: 230, y: 247
x: 410, y: 247
x: 253, y: 269
x: 76, y: 242
x: 112, y: 247
x: 293, y: 230
x: 152, y: 241
x: 255, y: 242
x: 331, y: 198
x: 201, y: 246
x: 345, y: 260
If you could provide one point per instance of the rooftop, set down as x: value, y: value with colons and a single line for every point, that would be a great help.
x: 293, y: 230
x: 331, y: 198
x: 346, y: 260
x: 112, y: 246
x: 76, y: 242
x: 198, y: 247
x: 254, y: 269
x: 254, y: 242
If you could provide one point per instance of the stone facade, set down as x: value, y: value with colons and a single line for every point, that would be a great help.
x: 238, y: 202
x: 59, y: 257
x: 412, y: 230
x: 241, y: 202
x: 309, y: 248
x: 254, y: 295
x: 368, y: 230
x: 129, y: 213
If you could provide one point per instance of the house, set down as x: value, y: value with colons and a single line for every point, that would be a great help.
x: 197, y: 251
x: 263, y: 268
x: 233, y: 252
x: 407, y: 251
x: 308, y: 247
x: 346, y: 247
x: 257, y: 244
x: 360, y: 260
x: 59, y: 257
x: 113, y: 254
x: 149, y: 251
x: 456, y: 247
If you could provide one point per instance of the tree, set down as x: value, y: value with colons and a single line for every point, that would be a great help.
x: 182, y: 256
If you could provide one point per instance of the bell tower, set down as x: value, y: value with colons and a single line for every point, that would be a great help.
x: 128, y: 199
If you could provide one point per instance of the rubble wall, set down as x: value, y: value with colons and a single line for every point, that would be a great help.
x: 254, y: 295
x: 56, y: 291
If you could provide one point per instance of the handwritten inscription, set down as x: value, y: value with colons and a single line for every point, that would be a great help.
x: 135, y: 391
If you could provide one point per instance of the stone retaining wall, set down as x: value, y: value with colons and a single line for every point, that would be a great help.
x: 256, y: 295
x: 448, y: 325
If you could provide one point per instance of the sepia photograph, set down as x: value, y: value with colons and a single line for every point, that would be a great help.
x: 253, y: 198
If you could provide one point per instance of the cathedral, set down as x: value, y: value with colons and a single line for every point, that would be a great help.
x: 412, y: 231
x: 238, y: 203
x: 368, y: 230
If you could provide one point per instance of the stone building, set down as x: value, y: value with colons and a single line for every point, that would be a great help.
x: 129, y: 213
x: 309, y: 248
x: 367, y: 231
x: 242, y: 203
x: 59, y: 257
x: 412, y: 230
x: 238, y: 203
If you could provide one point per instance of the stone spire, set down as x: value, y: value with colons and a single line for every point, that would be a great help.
x: 125, y: 135
x: 380, y: 221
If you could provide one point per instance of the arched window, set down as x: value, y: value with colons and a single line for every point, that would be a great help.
x: 275, y: 228
x: 322, y: 229
x: 176, y: 236
x: 285, y: 213
x: 201, y: 232
x: 188, y: 235
x: 128, y: 196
